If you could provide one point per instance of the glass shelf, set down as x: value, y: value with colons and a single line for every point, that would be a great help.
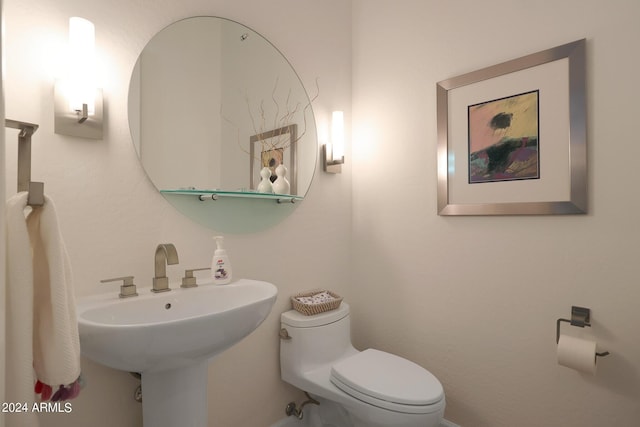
x: 215, y: 194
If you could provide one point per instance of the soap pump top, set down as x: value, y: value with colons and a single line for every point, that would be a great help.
x: 220, y: 265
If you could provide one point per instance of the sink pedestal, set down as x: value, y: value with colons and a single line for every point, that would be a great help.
x: 176, y: 397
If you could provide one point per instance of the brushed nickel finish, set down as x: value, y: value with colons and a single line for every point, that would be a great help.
x: 575, y: 52
x: 166, y: 254
x: 127, y: 289
x: 35, y: 189
x: 189, y: 281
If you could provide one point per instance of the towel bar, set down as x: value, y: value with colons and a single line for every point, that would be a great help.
x: 35, y: 189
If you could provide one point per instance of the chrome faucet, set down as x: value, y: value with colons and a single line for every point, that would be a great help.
x: 166, y: 254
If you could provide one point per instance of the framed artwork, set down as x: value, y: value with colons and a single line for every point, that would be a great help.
x: 271, y: 158
x: 270, y: 149
x: 512, y: 137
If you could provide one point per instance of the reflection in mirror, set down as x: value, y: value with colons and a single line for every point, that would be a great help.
x: 271, y: 149
x: 208, y: 100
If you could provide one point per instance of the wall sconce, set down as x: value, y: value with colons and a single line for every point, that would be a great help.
x: 78, y: 101
x: 333, y: 154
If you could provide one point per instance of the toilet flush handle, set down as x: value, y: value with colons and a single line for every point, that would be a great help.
x: 284, y: 334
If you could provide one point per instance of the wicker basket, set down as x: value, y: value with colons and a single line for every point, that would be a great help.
x: 311, y: 309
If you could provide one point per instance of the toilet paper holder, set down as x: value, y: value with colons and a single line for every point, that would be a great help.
x: 580, y: 317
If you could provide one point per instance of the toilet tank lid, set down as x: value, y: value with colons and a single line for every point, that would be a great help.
x: 299, y: 320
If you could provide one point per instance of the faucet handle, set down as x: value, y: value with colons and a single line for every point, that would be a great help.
x: 127, y: 289
x: 188, y: 281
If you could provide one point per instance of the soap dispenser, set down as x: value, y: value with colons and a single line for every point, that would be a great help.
x: 220, y: 265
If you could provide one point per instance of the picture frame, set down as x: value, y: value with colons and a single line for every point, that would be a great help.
x: 271, y: 148
x: 558, y: 76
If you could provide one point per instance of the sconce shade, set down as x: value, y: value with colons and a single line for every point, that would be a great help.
x: 77, y: 98
x: 333, y: 153
x: 337, y: 134
x: 82, y: 64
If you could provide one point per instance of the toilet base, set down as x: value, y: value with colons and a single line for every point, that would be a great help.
x: 331, y: 414
x: 313, y: 419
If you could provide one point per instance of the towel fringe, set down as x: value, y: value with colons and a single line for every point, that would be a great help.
x: 64, y: 392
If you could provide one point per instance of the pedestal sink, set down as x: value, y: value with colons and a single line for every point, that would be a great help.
x: 169, y: 339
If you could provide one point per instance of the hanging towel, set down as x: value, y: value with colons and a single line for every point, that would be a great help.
x: 19, y: 320
x: 56, y: 343
x: 43, y: 345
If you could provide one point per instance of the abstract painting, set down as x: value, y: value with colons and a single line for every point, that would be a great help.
x: 512, y: 137
x: 503, y: 139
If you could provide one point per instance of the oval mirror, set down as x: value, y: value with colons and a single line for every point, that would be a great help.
x: 214, y: 109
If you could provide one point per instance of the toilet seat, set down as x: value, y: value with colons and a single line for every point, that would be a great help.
x: 388, y: 381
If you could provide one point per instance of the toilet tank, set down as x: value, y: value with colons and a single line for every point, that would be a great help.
x: 315, y: 340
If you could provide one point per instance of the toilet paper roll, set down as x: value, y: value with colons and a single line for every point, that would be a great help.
x: 577, y: 353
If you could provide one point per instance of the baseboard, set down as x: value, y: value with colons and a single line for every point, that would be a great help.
x: 446, y: 423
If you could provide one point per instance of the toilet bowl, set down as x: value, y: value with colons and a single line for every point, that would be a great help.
x: 372, y: 388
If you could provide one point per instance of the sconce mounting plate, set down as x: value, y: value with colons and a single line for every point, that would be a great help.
x: 328, y: 164
x: 68, y: 122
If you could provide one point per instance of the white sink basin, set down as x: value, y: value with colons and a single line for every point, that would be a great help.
x: 156, y: 332
x: 169, y: 338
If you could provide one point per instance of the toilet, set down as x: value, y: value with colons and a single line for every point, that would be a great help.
x: 369, y: 388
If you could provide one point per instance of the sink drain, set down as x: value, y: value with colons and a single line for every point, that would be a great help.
x: 167, y: 306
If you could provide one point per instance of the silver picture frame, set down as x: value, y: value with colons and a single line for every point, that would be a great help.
x: 572, y: 143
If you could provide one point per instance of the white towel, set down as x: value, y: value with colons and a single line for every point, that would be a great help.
x: 56, y: 343
x: 42, y: 328
x: 20, y: 376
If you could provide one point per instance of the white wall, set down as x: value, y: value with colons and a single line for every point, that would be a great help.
x: 112, y: 218
x: 2, y: 232
x: 475, y: 299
